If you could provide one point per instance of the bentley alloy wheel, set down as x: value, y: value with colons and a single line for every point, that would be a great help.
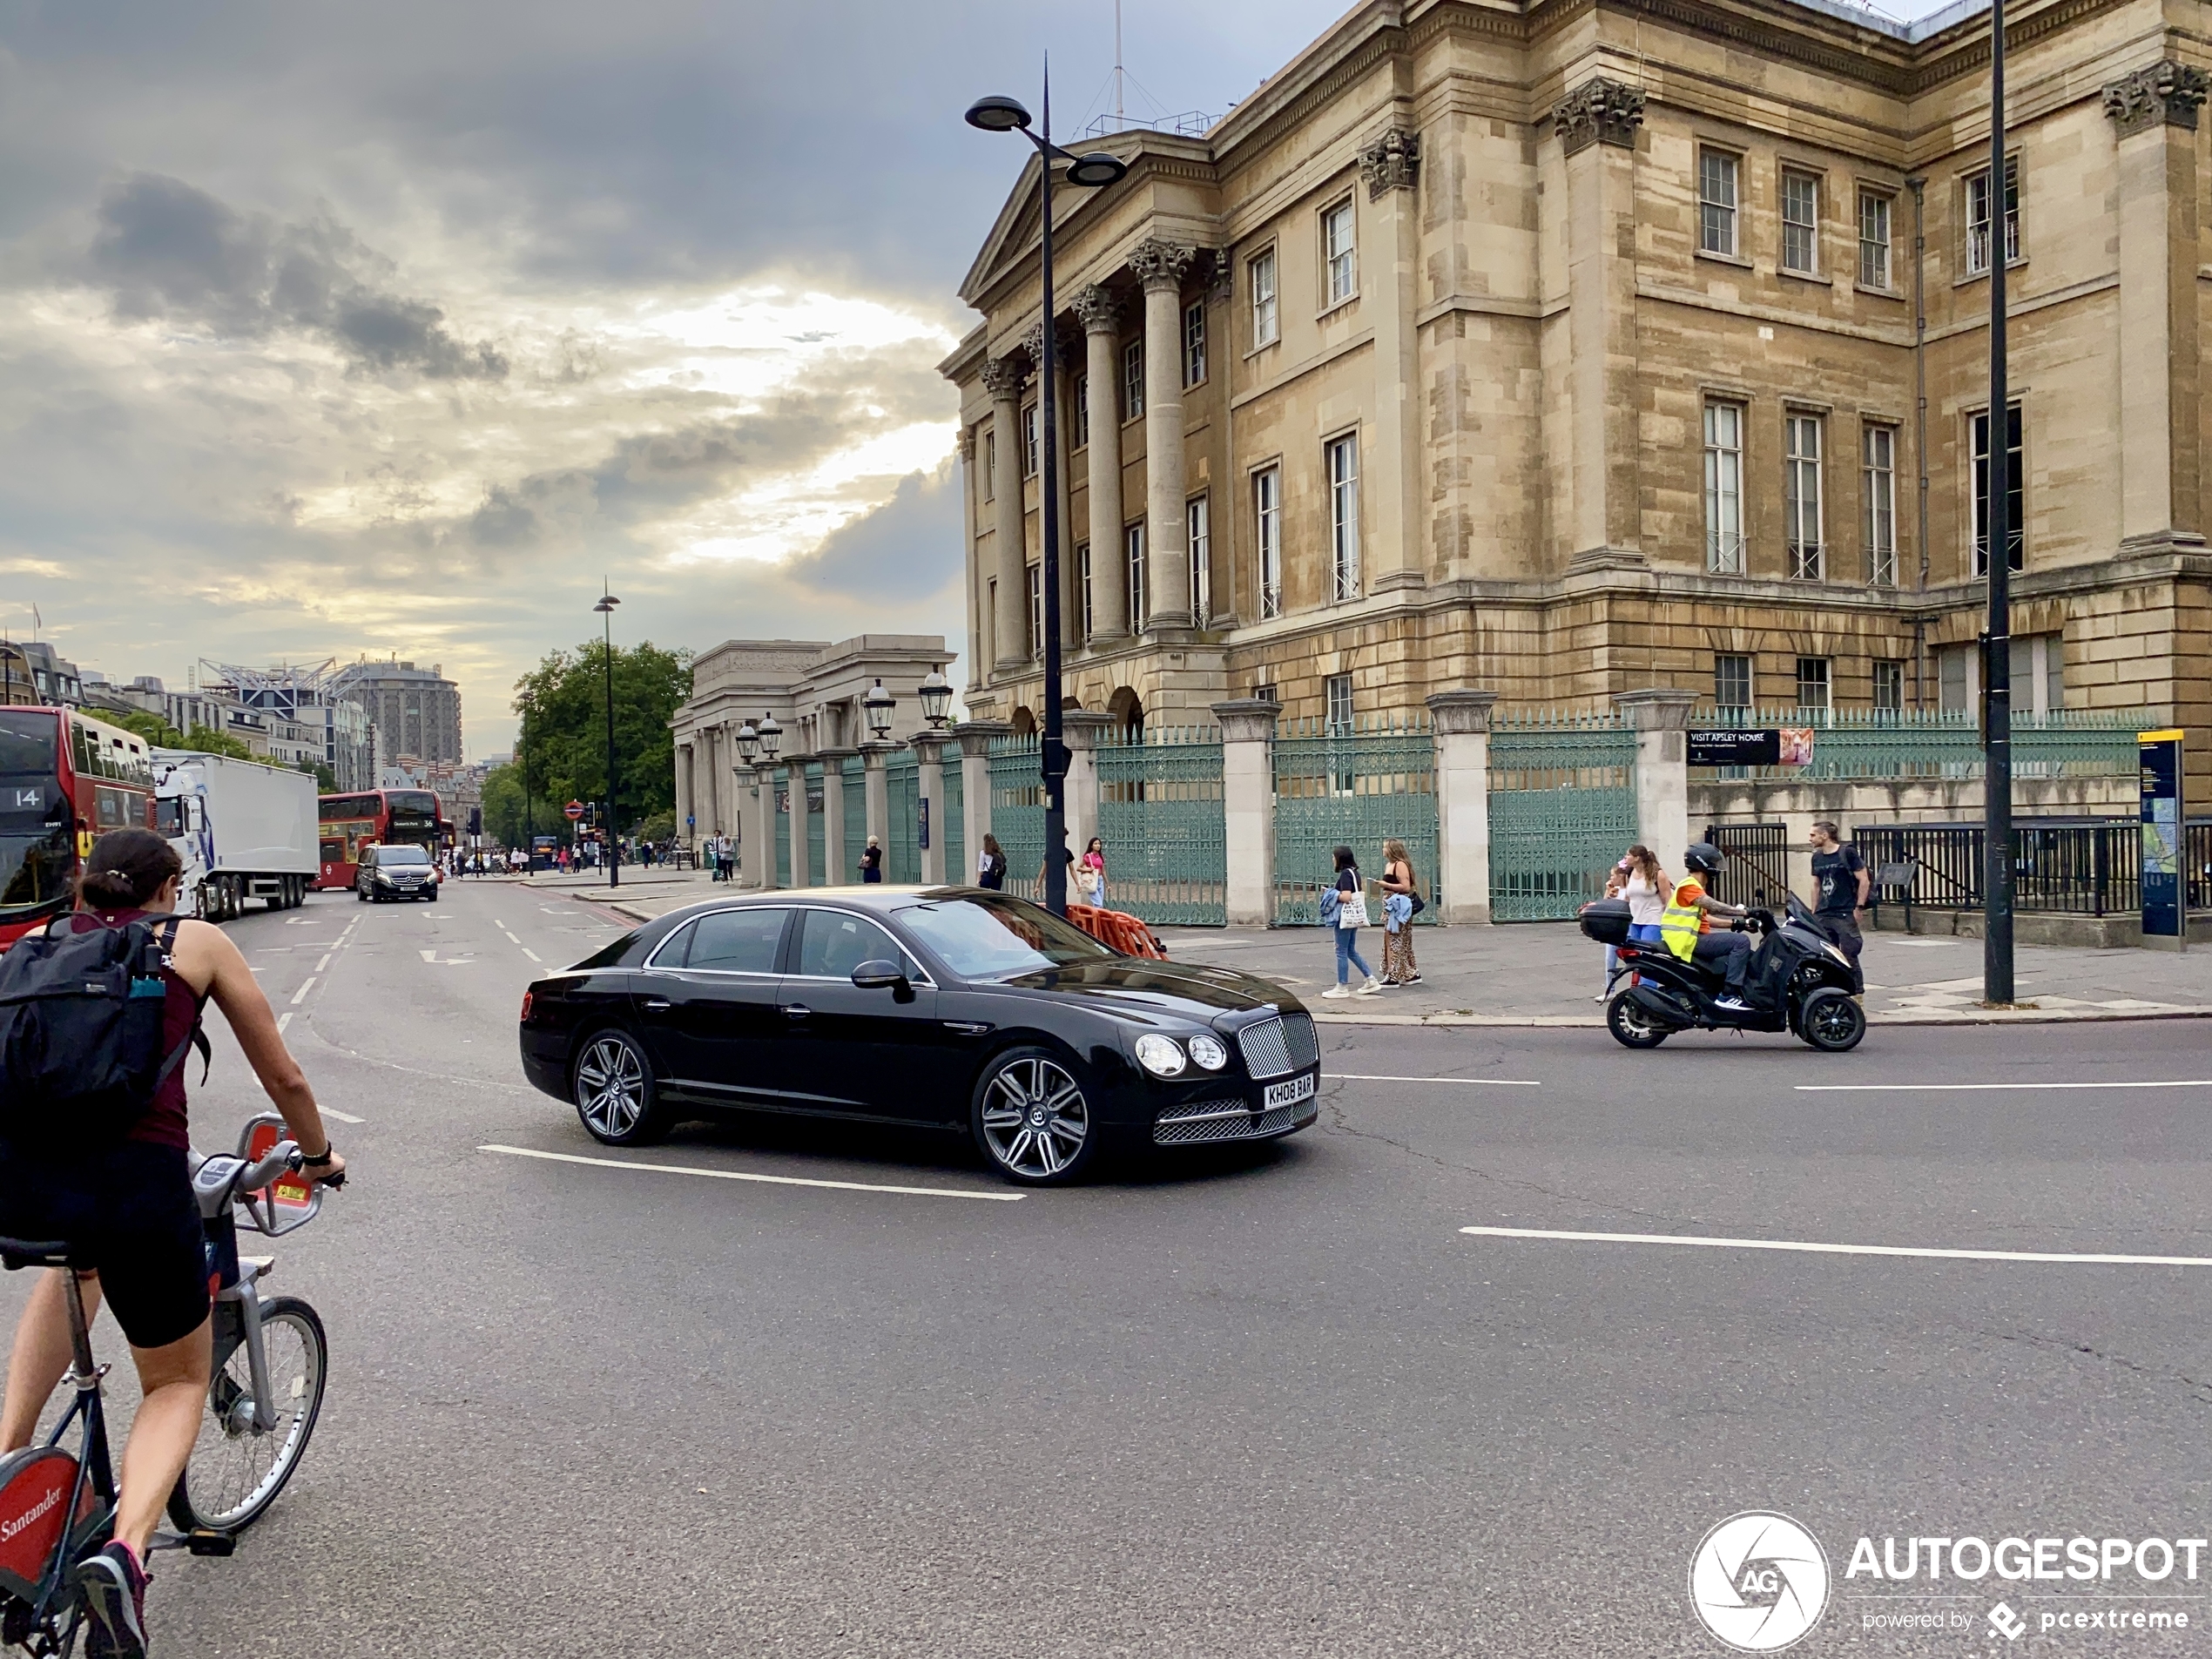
x: 1031, y: 1118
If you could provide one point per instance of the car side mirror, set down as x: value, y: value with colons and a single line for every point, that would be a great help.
x: 882, y: 975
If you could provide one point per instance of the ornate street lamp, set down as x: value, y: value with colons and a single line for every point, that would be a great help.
x: 936, y: 697
x: 877, y: 706
x: 606, y: 610
x: 771, y: 737
x: 1093, y: 171
x: 748, y: 743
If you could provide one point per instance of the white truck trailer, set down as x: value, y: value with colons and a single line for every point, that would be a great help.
x: 244, y: 828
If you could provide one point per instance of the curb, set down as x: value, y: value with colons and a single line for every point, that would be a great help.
x: 1590, y: 1022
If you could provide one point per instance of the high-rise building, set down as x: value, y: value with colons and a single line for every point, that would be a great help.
x: 416, y: 712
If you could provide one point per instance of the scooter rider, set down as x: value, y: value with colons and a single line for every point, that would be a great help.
x: 1685, y: 928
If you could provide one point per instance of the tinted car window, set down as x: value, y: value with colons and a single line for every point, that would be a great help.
x: 733, y: 942
x: 995, y: 937
x: 833, y: 944
x: 397, y: 855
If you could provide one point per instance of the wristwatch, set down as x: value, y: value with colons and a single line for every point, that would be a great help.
x: 329, y: 1157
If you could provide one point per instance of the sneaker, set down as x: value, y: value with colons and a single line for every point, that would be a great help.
x: 1410, y: 979
x: 1369, y: 989
x: 1733, y: 1004
x: 114, y: 1589
x: 1336, y: 991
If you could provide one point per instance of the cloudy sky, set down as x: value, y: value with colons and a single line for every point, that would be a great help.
x: 341, y: 328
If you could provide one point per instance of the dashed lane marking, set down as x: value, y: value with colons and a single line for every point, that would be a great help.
x: 1924, y: 1089
x: 1378, y: 1077
x: 748, y: 1175
x: 532, y: 955
x: 1808, y: 1247
x: 300, y: 995
x: 283, y: 1019
x: 343, y: 1117
x: 323, y: 966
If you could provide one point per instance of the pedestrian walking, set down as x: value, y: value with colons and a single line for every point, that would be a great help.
x: 1401, y: 903
x: 1841, y: 884
x: 1091, y: 874
x: 991, y: 865
x: 1638, y: 878
x: 1343, y: 911
x: 872, y: 861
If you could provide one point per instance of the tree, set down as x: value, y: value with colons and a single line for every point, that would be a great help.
x: 562, y: 743
x: 326, y: 780
x: 503, y: 806
x: 159, y: 734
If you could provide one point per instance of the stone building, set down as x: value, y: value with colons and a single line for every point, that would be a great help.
x: 416, y: 712
x: 1563, y: 347
x: 813, y: 691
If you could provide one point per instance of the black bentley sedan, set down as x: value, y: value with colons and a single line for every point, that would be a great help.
x: 941, y: 1006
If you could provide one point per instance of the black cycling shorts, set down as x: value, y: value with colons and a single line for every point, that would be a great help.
x: 130, y: 1208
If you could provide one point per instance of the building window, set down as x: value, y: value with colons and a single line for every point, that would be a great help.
x: 1194, y: 344
x: 2015, y: 521
x: 1036, y: 609
x: 1343, y: 517
x: 1724, y: 488
x: 1082, y: 579
x: 1813, y: 682
x: 1133, y: 563
x: 1337, y: 694
x: 1264, y: 319
x: 1732, y: 682
x: 1874, y: 239
x: 1198, y: 524
x: 1082, y: 410
x: 1978, y: 218
x: 1878, y: 484
x: 1266, y: 692
x: 1955, y: 676
x: 1800, y: 223
x: 1030, y: 442
x: 1801, y: 494
x: 1716, y: 202
x: 1337, y: 253
x: 990, y: 465
x: 1889, y: 686
x: 1267, y: 505
x: 2039, y: 673
x: 1133, y: 380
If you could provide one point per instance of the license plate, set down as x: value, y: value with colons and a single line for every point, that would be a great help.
x: 1291, y: 1093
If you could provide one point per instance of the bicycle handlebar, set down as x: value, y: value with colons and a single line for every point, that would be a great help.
x: 283, y: 1159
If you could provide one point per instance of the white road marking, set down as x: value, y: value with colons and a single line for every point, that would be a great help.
x: 429, y: 955
x: 532, y: 955
x: 300, y: 995
x: 283, y: 1019
x: 747, y: 1174
x: 1924, y: 1089
x: 343, y: 1117
x: 1841, y: 1249
x: 323, y: 966
x: 1376, y: 1077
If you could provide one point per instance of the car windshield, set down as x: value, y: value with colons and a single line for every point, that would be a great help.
x: 389, y: 855
x: 996, y: 937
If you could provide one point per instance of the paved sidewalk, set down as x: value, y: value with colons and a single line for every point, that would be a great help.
x: 1547, y: 973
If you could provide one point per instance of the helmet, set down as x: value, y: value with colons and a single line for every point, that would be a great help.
x: 1703, y: 857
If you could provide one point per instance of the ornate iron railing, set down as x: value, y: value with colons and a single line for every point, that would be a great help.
x: 1881, y: 744
x: 946, y: 828
x: 1562, y: 809
x: 1160, y: 818
x: 1355, y: 788
x: 902, y: 789
x: 2078, y: 866
x: 856, y: 815
x: 816, y: 863
x: 1017, y: 811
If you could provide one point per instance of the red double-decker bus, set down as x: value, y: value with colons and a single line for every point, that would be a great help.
x: 374, y: 817
x: 64, y: 779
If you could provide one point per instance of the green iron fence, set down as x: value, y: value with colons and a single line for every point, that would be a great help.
x: 902, y: 786
x: 1562, y: 809
x: 856, y: 815
x: 946, y: 828
x: 1356, y: 788
x: 779, y: 819
x: 817, y: 865
x: 1850, y: 744
x: 1160, y: 815
x: 1017, y: 811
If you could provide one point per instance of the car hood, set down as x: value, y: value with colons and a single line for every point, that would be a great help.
x: 1141, y: 989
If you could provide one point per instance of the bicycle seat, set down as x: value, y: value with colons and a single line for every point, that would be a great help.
x: 22, y: 1252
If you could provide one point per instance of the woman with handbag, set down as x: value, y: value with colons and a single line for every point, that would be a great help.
x: 990, y: 866
x: 1401, y: 903
x: 1343, y: 911
x: 1091, y: 874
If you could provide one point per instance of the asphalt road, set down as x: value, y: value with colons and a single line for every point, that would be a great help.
x: 1267, y: 1403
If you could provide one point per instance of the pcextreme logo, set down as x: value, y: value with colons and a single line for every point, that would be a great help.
x: 1759, y: 1581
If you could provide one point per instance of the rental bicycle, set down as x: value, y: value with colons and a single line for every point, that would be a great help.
x: 57, y: 1507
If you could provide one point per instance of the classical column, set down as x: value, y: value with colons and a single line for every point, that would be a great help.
x: 1596, y: 125
x: 971, y: 563
x: 1002, y: 378
x: 1100, y: 312
x: 1064, y: 398
x: 1391, y: 165
x: 929, y: 789
x: 834, y: 872
x: 684, y: 792
x: 2155, y: 114
x: 1161, y: 267
x: 875, y: 790
x: 1248, y: 807
x: 1084, y: 727
x: 1462, y: 725
x: 753, y: 792
x: 975, y: 784
x: 1661, y: 716
x: 795, y: 776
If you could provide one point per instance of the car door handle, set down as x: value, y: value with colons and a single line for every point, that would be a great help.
x: 796, y: 1010
x: 658, y: 1005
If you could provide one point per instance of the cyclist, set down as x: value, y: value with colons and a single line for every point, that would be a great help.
x: 129, y: 1204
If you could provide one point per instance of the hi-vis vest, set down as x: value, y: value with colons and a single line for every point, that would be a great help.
x: 1681, y: 924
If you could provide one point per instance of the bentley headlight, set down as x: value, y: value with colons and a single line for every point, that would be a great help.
x: 1162, y: 1056
x: 1209, y: 1051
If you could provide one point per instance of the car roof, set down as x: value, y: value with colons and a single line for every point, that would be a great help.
x: 875, y: 895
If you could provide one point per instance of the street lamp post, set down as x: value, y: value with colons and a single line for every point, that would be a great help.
x: 606, y: 610
x: 1093, y: 171
x: 1997, y: 655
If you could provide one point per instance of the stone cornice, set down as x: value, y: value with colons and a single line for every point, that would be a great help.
x: 2165, y: 94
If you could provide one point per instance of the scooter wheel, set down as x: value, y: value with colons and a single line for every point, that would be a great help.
x: 1631, y: 1026
x: 1832, y: 1020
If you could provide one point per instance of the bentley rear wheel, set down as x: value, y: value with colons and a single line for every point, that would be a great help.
x: 614, y: 1094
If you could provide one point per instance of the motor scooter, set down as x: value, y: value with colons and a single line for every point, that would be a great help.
x: 1799, y: 982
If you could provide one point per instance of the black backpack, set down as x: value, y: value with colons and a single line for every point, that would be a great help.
x: 80, y: 1032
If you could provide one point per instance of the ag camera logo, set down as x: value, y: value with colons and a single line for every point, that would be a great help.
x: 1759, y: 1581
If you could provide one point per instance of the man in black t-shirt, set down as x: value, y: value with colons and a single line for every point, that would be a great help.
x: 1840, y: 885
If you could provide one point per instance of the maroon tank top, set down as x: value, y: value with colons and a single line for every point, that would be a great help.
x: 163, y: 1123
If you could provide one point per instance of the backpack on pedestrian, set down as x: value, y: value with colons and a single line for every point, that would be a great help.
x: 80, y: 1032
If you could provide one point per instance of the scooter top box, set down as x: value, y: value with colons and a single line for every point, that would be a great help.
x: 1606, y: 920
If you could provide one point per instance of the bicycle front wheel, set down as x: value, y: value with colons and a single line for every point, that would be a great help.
x: 237, y: 1468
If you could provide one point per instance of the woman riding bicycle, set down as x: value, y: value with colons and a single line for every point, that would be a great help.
x: 129, y: 1206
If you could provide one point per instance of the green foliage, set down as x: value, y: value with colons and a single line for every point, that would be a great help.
x: 326, y: 780
x: 562, y: 751
x: 661, y: 827
x: 161, y: 735
x: 157, y: 732
x: 503, y: 820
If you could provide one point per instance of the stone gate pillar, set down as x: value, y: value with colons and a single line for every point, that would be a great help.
x: 975, y: 785
x: 1661, y: 716
x: 1248, y: 807
x: 929, y: 753
x: 1084, y: 728
x: 875, y: 786
x: 1462, y: 724
x: 835, y: 872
